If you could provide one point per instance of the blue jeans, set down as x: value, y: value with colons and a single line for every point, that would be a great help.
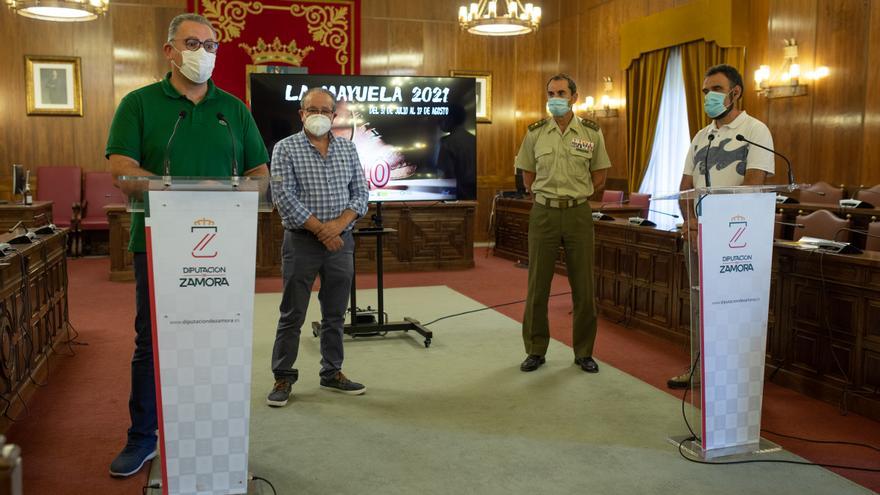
x: 142, y: 401
x: 303, y: 257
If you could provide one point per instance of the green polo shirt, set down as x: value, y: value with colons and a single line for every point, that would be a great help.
x: 201, y: 147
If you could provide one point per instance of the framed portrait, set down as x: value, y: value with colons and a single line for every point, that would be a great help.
x: 484, y: 92
x: 53, y: 85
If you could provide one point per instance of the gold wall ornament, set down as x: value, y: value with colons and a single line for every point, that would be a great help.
x: 263, y: 53
x: 328, y: 26
x: 228, y: 17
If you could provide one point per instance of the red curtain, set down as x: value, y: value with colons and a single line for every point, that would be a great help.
x: 321, y: 35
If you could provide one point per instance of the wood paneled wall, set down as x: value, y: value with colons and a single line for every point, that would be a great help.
x: 49, y: 140
x: 119, y: 52
x: 831, y: 134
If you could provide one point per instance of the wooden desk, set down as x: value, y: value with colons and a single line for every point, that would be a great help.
x: 641, y: 278
x: 34, y: 215
x: 33, y: 316
x: 829, y: 301
x: 512, y: 226
x: 430, y: 236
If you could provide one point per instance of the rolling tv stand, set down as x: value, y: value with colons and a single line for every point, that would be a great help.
x: 378, y: 326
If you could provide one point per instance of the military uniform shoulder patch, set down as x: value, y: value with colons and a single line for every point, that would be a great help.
x: 537, y: 125
x: 589, y: 123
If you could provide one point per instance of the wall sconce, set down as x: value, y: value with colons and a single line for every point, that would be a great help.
x: 607, y: 105
x: 790, y: 76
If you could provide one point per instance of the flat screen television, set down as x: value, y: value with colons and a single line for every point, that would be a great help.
x: 415, y: 136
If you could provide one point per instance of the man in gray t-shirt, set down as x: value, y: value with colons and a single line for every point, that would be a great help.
x: 731, y: 162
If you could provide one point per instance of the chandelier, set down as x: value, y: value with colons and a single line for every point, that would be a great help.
x: 483, y: 18
x: 60, y: 10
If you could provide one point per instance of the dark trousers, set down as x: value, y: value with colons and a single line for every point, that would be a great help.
x: 142, y: 401
x: 303, y: 257
x: 571, y: 228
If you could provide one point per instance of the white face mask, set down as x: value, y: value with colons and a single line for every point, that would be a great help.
x: 197, y: 65
x: 317, y: 124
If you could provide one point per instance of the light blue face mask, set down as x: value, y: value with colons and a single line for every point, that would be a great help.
x: 558, y: 106
x: 713, y: 104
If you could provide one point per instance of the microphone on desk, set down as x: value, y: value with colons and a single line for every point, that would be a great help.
x: 852, y: 202
x: 48, y: 228
x: 599, y: 215
x: 740, y: 137
x: 225, y: 123
x: 790, y: 224
x: 167, y: 158
x: 857, y: 231
x: 644, y: 222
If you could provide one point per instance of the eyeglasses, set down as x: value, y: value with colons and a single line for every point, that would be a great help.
x: 324, y: 112
x: 193, y: 44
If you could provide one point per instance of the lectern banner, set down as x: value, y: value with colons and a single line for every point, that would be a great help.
x: 201, y: 250
x: 736, y: 245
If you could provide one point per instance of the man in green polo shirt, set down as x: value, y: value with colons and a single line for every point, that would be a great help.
x: 563, y: 160
x: 201, y: 147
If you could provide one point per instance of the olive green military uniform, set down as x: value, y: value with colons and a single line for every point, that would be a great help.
x: 561, y: 215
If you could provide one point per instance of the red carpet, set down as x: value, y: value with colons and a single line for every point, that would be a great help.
x: 77, y: 423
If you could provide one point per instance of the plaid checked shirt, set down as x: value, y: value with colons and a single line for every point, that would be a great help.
x: 314, y: 185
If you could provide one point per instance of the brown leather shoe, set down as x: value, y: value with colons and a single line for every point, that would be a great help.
x: 587, y: 364
x: 532, y: 362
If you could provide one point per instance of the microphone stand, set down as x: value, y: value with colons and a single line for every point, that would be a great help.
x: 167, y: 177
x: 234, y: 176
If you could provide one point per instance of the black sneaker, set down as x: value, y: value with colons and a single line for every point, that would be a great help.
x: 131, y: 459
x: 280, y: 393
x: 340, y: 383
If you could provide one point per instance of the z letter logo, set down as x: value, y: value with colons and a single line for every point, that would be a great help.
x: 206, y: 227
x: 738, y: 223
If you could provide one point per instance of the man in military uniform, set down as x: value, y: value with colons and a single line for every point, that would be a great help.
x: 564, y: 161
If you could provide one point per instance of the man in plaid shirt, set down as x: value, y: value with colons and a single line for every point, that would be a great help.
x: 322, y: 192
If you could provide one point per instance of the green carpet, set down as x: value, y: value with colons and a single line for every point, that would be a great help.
x: 460, y: 417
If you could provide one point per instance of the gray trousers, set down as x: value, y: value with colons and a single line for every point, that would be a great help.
x: 303, y: 257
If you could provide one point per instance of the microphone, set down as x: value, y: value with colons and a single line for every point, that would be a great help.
x: 599, y: 215
x: 644, y: 222
x: 225, y: 123
x: 857, y: 231
x: 740, y: 137
x: 706, y: 168
x: 790, y: 224
x: 673, y: 215
x: 167, y: 160
x: 852, y: 202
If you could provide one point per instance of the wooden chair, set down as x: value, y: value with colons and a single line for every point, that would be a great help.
x: 640, y: 199
x: 63, y: 187
x: 612, y: 196
x: 869, y: 195
x: 821, y: 192
x: 99, y: 192
x: 823, y: 224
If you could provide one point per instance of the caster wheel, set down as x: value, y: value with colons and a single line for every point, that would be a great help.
x: 427, y: 343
